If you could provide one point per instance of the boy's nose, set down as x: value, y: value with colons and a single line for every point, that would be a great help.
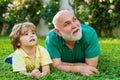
x: 31, y: 35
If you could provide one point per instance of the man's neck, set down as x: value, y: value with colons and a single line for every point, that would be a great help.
x: 70, y: 44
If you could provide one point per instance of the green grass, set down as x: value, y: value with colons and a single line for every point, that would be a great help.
x: 109, y: 63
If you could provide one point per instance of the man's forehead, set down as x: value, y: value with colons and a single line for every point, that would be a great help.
x: 65, y: 14
x: 65, y: 18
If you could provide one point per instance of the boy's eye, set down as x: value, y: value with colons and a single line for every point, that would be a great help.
x: 26, y: 34
x: 33, y: 32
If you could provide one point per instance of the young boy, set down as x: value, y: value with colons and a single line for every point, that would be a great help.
x: 28, y: 56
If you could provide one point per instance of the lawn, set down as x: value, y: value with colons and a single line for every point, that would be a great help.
x: 109, y: 63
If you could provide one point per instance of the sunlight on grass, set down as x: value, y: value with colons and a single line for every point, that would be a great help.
x: 110, y: 41
x: 109, y: 63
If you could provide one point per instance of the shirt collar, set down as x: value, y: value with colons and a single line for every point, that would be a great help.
x: 25, y: 55
x: 63, y: 41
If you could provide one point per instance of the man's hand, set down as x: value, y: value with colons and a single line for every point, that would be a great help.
x: 82, y: 68
x: 86, y: 70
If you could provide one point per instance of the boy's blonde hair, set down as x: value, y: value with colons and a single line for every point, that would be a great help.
x: 16, y: 33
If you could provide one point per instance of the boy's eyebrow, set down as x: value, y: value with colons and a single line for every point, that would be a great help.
x: 23, y: 32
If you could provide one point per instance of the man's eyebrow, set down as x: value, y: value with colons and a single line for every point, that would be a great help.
x: 66, y: 22
x: 74, y: 17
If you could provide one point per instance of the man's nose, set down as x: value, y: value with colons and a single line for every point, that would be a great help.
x: 74, y: 25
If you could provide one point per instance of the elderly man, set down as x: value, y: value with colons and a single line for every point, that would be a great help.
x: 73, y: 46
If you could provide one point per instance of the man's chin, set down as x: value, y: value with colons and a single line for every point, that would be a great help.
x: 72, y: 37
x: 75, y: 38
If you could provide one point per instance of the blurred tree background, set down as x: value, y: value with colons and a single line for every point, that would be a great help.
x: 102, y: 15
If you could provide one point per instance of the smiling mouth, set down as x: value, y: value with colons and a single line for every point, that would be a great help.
x: 32, y: 40
x: 75, y: 31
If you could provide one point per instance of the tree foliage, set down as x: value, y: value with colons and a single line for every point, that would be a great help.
x: 103, y: 15
x: 3, y: 9
x: 49, y: 10
x: 16, y: 11
x: 21, y: 10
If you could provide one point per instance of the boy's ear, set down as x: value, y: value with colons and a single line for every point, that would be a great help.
x: 57, y: 31
x: 18, y: 44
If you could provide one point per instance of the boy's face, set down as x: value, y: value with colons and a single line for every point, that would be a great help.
x: 28, y: 38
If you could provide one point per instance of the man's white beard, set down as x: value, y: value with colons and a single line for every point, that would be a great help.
x: 72, y: 37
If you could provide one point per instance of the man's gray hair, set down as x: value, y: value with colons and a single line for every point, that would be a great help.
x: 56, y: 17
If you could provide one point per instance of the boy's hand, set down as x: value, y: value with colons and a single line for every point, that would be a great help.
x: 36, y: 73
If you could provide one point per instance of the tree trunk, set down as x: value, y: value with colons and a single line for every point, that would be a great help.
x: 67, y: 4
x: 4, y: 29
x: 43, y: 27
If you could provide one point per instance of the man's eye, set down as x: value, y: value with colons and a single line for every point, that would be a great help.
x: 66, y: 24
x: 74, y: 19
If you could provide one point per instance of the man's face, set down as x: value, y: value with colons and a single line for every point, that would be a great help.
x: 69, y: 27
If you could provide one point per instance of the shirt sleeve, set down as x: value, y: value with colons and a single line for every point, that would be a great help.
x: 52, y: 45
x: 18, y: 63
x: 92, y: 45
x: 45, y: 58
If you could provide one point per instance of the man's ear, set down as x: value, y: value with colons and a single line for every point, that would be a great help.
x: 57, y: 31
